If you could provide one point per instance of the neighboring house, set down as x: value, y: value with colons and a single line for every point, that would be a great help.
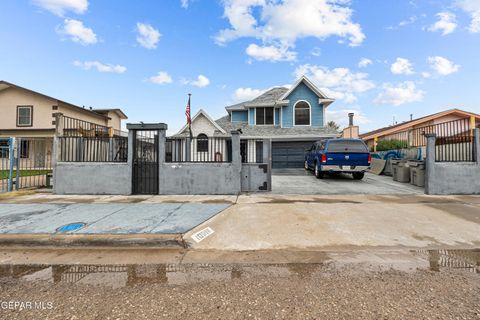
x: 292, y: 118
x: 29, y: 114
x: 392, y: 132
x: 26, y: 113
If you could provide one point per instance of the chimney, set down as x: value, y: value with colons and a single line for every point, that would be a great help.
x: 411, y: 116
x: 350, y: 119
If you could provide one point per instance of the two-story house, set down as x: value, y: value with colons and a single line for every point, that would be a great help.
x: 292, y: 118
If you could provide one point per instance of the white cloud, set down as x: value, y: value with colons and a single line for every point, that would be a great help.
x: 270, y: 53
x: 472, y: 7
x: 161, y: 78
x: 147, y: 36
x: 60, y: 7
x: 78, y: 32
x: 282, y: 23
x: 339, y: 83
x: 402, y: 66
x: 364, y: 62
x: 184, y: 3
x: 410, y: 20
x: 404, y: 92
x: 341, y: 116
x: 442, y: 66
x: 446, y: 23
x: 246, y: 94
x: 201, y: 81
x: 101, y: 67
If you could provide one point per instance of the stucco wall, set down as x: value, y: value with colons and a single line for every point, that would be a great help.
x: 255, y: 177
x: 43, y: 112
x: 42, y: 109
x: 445, y: 178
x: 92, y: 178
x: 302, y: 92
x: 199, y: 178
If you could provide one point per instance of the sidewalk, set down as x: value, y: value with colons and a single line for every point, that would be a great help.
x: 248, y: 222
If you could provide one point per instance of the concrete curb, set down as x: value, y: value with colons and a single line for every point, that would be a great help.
x: 93, y: 240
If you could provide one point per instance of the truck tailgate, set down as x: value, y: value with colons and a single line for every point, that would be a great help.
x: 347, y: 159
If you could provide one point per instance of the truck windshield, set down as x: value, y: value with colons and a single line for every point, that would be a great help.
x: 350, y: 146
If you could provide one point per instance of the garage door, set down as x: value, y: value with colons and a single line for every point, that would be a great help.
x: 289, y: 154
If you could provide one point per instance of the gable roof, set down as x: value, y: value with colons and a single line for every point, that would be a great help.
x: 119, y: 112
x: 205, y: 114
x: 278, y: 96
x: 5, y: 85
x: 311, y: 86
x: 404, y: 125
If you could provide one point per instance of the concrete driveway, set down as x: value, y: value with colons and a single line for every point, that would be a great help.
x: 339, y: 222
x: 299, y: 181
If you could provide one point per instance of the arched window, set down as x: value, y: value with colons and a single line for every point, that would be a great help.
x: 302, y: 113
x: 202, y: 143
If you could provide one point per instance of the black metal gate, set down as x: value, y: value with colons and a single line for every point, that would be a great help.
x: 145, y: 162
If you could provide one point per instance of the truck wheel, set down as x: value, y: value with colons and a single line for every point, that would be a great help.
x: 318, y: 173
x: 358, y: 175
x: 306, y: 165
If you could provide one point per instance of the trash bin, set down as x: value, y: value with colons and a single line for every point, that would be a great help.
x: 417, y: 172
x: 401, y: 170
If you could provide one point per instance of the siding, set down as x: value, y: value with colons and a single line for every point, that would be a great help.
x: 302, y: 92
x: 251, y: 116
x: 239, y: 116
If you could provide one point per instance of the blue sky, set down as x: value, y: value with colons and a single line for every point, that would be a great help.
x: 379, y: 59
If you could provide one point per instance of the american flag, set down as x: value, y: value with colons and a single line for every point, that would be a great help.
x: 189, y: 117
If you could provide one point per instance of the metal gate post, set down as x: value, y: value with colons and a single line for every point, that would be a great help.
x: 18, y: 176
x: 11, y: 141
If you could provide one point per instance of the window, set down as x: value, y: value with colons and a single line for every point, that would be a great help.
x: 264, y: 116
x: 351, y: 146
x: 4, y: 149
x: 24, y: 116
x: 302, y: 114
x: 202, y: 143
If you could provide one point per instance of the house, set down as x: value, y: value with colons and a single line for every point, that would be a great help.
x: 292, y: 118
x: 428, y: 122
x: 30, y: 114
x: 27, y: 113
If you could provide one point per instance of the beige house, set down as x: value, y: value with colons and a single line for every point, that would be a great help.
x: 29, y: 116
x: 26, y: 113
x: 428, y: 122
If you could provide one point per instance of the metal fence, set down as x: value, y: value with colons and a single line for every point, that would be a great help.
x: 208, y: 149
x: 83, y: 141
x: 454, y: 140
x: 25, y: 163
x: 198, y: 149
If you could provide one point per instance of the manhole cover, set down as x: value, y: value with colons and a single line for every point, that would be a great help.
x: 71, y: 227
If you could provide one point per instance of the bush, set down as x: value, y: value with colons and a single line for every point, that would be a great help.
x: 386, y: 145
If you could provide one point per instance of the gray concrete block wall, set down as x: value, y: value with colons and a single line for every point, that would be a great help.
x: 255, y: 177
x: 199, y: 178
x: 93, y: 178
x: 443, y: 178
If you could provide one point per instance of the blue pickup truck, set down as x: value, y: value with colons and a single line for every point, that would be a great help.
x: 338, y: 155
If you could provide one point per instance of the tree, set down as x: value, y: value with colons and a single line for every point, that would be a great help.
x: 333, y: 125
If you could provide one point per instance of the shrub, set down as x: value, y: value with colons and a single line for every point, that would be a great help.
x: 386, y: 145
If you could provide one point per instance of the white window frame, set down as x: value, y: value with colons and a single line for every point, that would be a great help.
x: 310, y: 114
